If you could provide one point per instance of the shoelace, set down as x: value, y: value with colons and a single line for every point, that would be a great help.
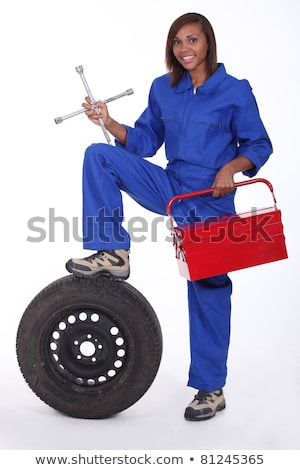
x: 204, y: 397
x: 98, y: 254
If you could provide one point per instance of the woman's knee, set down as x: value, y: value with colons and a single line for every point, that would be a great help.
x: 96, y: 156
x: 106, y: 152
x: 94, y: 150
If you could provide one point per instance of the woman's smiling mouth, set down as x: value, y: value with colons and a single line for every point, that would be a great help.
x: 188, y: 57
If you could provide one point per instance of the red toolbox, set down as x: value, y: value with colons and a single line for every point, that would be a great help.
x: 228, y: 243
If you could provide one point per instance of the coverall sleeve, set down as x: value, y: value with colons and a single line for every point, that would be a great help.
x: 147, y: 135
x: 253, y: 140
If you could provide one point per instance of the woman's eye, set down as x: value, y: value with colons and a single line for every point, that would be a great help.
x: 175, y: 42
x: 193, y: 40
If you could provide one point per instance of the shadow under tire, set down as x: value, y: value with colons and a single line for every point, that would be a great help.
x: 89, y: 348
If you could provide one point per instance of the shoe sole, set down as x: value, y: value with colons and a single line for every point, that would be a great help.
x: 93, y: 274
x: 190, y: 417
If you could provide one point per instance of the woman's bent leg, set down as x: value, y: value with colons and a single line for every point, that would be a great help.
x: 107, y: 171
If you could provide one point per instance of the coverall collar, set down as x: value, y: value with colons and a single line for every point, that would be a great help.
x: 209, y: 86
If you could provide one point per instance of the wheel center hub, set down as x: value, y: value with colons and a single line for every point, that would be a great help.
x: 88, y: 348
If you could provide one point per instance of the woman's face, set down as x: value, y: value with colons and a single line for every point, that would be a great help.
x: 190, y: 47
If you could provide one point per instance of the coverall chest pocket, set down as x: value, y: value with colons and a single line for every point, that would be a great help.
x: 208, y: 136
x: 171, y: 123
x: 211, y: 119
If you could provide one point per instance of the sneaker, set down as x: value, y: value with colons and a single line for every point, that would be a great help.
x: 111, y: 263
x: 205, y: 405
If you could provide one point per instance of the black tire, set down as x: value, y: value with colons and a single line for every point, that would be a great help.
x: 89, y: 348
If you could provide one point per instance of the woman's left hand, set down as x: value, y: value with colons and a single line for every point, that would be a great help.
x: 224, y: 182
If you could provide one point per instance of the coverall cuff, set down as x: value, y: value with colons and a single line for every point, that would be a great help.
x: 130, y: 145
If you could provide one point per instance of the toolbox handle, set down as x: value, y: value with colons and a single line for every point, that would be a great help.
x: 202, y: 192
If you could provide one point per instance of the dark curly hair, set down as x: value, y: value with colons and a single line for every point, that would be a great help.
x: 176, y: 70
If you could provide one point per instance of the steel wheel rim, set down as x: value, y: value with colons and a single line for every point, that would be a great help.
x: 86, y: 348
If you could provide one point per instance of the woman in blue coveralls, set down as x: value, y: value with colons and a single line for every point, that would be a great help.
x: 211, y: 128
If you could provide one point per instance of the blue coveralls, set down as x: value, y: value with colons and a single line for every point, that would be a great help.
x: 202, y: 129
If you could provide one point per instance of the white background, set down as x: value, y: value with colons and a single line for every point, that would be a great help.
x: 121, y: 44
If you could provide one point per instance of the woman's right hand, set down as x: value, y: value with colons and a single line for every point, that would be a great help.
x: 99, y: 110
x: 94, y: 111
